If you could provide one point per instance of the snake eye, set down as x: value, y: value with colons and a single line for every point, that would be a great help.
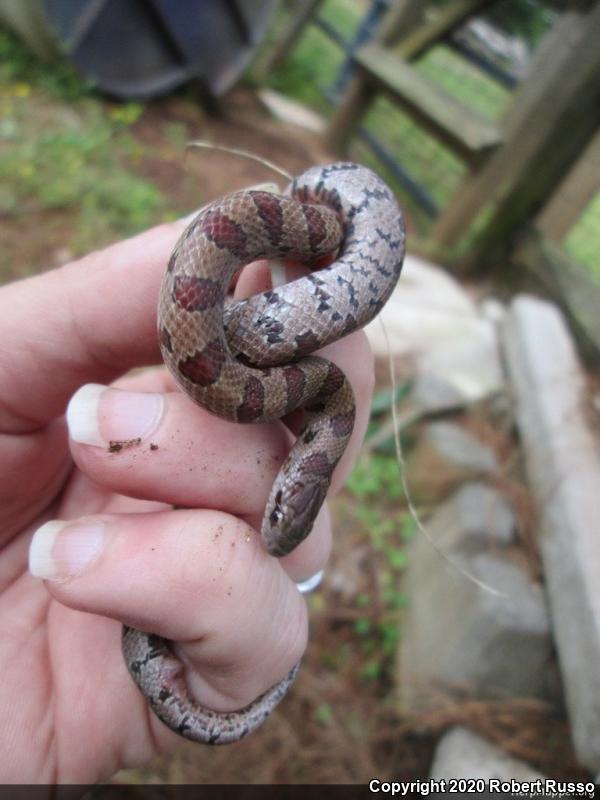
x: 275, y: 516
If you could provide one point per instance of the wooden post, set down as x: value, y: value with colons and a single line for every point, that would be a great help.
x: 289, y: 37
x: 573, y: 194
x: 567, y: 283
x: 401, y: 19
x: 352, y: 107
x: 360, y: 93
x: 445, y: 21
x: 554, y: 116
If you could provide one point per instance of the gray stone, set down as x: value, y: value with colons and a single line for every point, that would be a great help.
x: 292, y: 112
x: 463, y: 754
x: 346, y: 576
x: 563, y: 465
x: 493, y: 310
x: 445, y: 456
x: 458, y: 446
x: 431, y: 321
x: 476, y: 519
x: 432, y: 393
x: 459, y: 635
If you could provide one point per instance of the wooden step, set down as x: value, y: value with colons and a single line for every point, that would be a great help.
x: 464, y: 131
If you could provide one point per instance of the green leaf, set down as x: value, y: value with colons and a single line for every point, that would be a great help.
x: 370, y: 671
x: 363, y: 627
x: 323, y: 714
x: 397, y: 558
x: 386, y: 398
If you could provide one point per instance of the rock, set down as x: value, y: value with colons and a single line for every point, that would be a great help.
x: 346, y: 574
x: 476, y: 519
x: 445, y: 456
x: 459, y: 635
x: 427, y: 285
x: 292, y: 112
x: 463, y: 754
x: 458, y: 446
x: 563, y: 466
x: 494, y: 310
x: 433, y: 393
x: 431, y: 320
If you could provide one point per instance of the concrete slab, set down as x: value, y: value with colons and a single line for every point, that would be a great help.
x: 563, y: 465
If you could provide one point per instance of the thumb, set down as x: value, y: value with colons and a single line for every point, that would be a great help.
x: 88, y: 321
x: 200, y: 578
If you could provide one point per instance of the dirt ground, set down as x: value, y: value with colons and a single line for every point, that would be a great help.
x: 335, y: 726
x: 34, y: 240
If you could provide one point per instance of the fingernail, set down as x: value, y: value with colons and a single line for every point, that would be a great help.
x: 61, y: 550
x: 278, y: 276
x: 98, y: 414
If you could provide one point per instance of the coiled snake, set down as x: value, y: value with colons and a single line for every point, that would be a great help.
x: 250, y: 362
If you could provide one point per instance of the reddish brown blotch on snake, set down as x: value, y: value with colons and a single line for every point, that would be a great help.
x: 251, y: 362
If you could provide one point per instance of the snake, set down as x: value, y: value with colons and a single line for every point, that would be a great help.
x: 250, y: 361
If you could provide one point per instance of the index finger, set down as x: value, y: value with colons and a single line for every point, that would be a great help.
x: 90, y: 320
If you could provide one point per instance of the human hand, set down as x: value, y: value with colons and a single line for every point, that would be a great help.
x: 198, y: 575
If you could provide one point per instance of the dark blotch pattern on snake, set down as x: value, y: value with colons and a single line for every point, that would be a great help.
x: 250, y: 362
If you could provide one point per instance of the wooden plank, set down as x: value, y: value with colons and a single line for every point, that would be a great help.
x: 567, y: 283
x: 360, y: 91
x: 462, y: 130
x: 572, y: 196
x: 402, y: 18
x: 445, y: 20
x: 555, y: 118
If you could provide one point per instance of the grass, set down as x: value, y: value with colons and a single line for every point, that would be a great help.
x: 52, y: 166
x: 379, y: 511
x: 583, y: 240
x: 305, y: 77
x: 379, y: 507
x: 314, y: 63
x: 427, y: 160
x: 464, y: 81
x: 61, y: 147
x: 19, y: 65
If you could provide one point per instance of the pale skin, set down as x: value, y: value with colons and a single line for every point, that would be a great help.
x: 69, y: 711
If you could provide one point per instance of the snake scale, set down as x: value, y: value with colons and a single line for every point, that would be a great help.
x: 250, y: 362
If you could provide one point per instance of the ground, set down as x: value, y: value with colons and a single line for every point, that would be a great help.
x: 154, y: 152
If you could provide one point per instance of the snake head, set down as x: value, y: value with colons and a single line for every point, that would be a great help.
x: 290, y: 515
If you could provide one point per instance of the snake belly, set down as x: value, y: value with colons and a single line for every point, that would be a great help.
x: 251, y: 362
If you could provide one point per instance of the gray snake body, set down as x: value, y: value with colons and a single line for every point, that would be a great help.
x: 250, y: 362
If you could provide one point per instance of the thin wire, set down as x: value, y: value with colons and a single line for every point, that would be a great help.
x: 402, y: 468
x: 203, y: 144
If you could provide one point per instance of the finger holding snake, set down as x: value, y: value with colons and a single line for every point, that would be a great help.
x: 190, y: 458
x: 197, y: 577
